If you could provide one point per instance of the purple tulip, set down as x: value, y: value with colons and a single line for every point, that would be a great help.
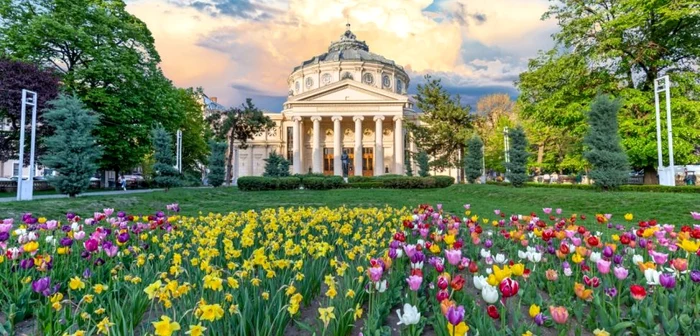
x: 66, y: 242
x: 160, y: 214
x: 611, y: 292
x: 607, y: 251
x: 392, y: 253
x: 667, y: 280
x: 695, y: 275
x: 87, y: 274
x: 26, y: 263
x: 565, y: 265
x: 65, y: 228
x: 91, y: 245
x: 620, y: 272
x: 540, y: 319
x: 551, y: 250
x: 123, y: 237
x: 42, y: 286
x: 4, y: 236
x: 642, y: 243
x: 617, y: 259
x: 99, y: 262
x: 488, y: 243
x: 455, y: 315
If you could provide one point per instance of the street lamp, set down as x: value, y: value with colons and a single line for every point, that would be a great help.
x: 506, y: 154
x: 25, y: 191
x: 666, y: 174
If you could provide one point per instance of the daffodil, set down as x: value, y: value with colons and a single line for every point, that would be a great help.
x: 326, y: 315
x: 76, y: 284
x: 211, y: 312
x: 165, y: 327
x: 104, y: 326
x: 196, y: 330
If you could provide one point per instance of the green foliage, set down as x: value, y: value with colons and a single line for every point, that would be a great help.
x: 107, y: 57
x: 71, y: 149
x: 217, y: 153
x: 423, y: 161
x: 322, y: 183
x: 626, y: 187
x: 445, y: 127
x: 408, y: 163
x: 518, y: 154
x: 493, y: 113
x: 255, y: 183
x: 194, y: 128
x: 238, y: 125
x: 610, y: 168
x: 617, y: 48
x: 276, y: 166
x: 473, y: 159
x: 166, y: 175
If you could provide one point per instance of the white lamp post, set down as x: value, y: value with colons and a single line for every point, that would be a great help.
x: 506, y: 154
x: 25, y: 191
x: 483, y: 163
x: 179, y: 151
x: 666, y: 174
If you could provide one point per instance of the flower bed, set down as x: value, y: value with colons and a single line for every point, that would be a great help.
x: 309, y: 269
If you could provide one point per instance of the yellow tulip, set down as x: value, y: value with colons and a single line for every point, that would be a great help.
x: 534, y: 310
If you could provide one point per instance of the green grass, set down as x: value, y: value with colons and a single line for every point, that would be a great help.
x: 666, y: 207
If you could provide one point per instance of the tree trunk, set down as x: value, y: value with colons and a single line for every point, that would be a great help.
x: 540, y: 157
x: 650, y: 175
x: 229, y: 161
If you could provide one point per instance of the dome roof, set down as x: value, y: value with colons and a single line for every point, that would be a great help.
x: 348, y: 48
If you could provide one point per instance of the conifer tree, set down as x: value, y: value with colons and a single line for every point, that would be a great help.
x: 217, y: 161
x: 408, y: 166
x: 517, y: 166
x: 423, y: 161
x: 166, y: 175
x: 474, y: 159
x: 71, y: 150
x: 604, y: 153
x: 276, y: 166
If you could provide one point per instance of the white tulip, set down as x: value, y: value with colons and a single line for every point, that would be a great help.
x: 652, y: 276
x: 595, y: 256
x: 637, y: 259
x: 410, y: 315
x: 523, y: 254
x: 485, y: 253
x: 50, y: 240
x: 479, y: 282
x: 567, y: 271
x: 535, y: 257
x: 381, y: 286
x: 418, y: 265
x: 489, y: 293
x: 500, y: 258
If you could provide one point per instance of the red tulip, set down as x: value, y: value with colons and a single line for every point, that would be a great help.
x: 593, y: 241
x: 473, y: 267
x: 638, y: 292
x: 509, y: 287
x: 457, y: 283
x: 581, y: 230
x: 493, y: 312
x: 442, y: 283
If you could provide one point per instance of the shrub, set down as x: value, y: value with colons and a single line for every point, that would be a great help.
x: 276, y: 166
x: 356, y: 179
x: 217, y: 160
x: 364, y: 185
x: 289, y: 183
x: 166, y: 175
x: 333, y: 182
x: 609, y: 161
x: 517, y: 167
x: 314, y: 183
x: 472, y: 161
x: 251, y: 183
x: 443, y: 181
x: 423, y: 161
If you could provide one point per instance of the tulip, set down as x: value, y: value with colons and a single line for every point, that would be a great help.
x: 695, y: 276
x: 493, y: 312
x: 414, y: 282
x: 410, y: 315
x: 410, y: 250
x: 611, y: 292
x: 637, y: 259
x: 442, y: 295
x: 375, y: 273
x: 509, y: 287
x: 540, y: 319
x: 620, y: 273
x: 608, y: 252
x: 559, y: 314
x: 479, y: 281
x: 457, y: 283
x: 380, y: 286
x: 455, y: 315
x: 547, y: 210
x: 603, y: 266
x: 652, y: 276
x: 534, y: 310
x: 595, y: 256
x: 442, y: 282
x: 680, y: 264
x: 500, y: 259
x: 489, y: 293
x: 638, y: 292
x: 454, y: 257
x: 667, y: 281
x: 659, y: 258
x: 551, y: 275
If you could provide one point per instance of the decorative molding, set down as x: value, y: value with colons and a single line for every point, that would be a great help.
x: 329, y: 132
x: 356, y: 118
x: 376, y: 118
x: 316, y: 118
x: 397, y: 118
x: 368, y: 132
x: 337, y: 118
x: 387, y: 132
x: 296, y: 118
x: 348, y: 132
x: 310, y: 131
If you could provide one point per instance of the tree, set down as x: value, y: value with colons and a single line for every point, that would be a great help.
x: 238, y: 125
x: 445, y: 126
x: 408, y: 164
x: 493, y: 113
x: 217, y: 160
x: 619, y: 48
x: 194, y: 128
x: 276, y: 166
x: 107, y: 57
x: 166, y: 175
x: 15, y: 76
x: 71, y: 150
x: 609, y: 161
x: 473, y: 159
x: 423, y: 161
x: 517, y: 166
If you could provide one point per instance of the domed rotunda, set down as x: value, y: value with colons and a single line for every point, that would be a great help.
x: 344, y: 103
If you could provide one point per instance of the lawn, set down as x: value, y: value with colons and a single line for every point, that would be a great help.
x: 665, y: 207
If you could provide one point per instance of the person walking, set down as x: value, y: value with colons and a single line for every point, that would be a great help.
x: 123, y: 181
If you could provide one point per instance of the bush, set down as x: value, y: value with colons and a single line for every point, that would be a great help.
x: 320, y: 182
x: 252, y: 183
x: 289, y: 183
x: 361, y: 179
x: 314, y: 183
x: 604, y: 152
x: 517, y: 167
x: 443, y: 181
x: 333, y: 182
x: 276, y: 166
x: 364, y: 185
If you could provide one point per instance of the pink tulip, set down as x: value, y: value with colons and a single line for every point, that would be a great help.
x: 558, y: 211
x: 80, y: 235
x: 5, y: 227
x: 108, y: 211
x: 112, y: 251
x: 603, y: 266
x: 410, y: 250
x: 659, y: 258
x: 91, y: 245
x: 576, y: 241
x: 620, y: 273
x: 414, y: 282
x: 559, y: 314
x: 375, y: 273
x: 497, y: 212
x: 51, y: 225
x: 696, y: 215
x: 453, y: 256
x: 547, y: 210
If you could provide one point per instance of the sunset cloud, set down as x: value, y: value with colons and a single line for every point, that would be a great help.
x: 247, y: 48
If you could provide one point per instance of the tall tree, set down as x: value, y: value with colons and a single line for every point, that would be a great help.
x: 517, y: 167
x: 166, y: 175
x: 239, y: 125
x: 423, y: 161
x: 276, y: 166
x: 494, y: 113
x: 610, y: 168
x: 217, y: 160
x: 473, y: 159
x: 71, y: 150
x: 445, y: 125
x: 107, y: 57
x: 15, y: 76
x: 408, y: 163
x: 194, y: 128
x: 620, y: 47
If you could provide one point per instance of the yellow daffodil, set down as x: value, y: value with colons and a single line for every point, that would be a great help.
x: 211, y: 312
x: 358, y: 312
x: 196, y: 330
x: 165, y: 327
x: 104, y: 326
x: 350, y: 293
x: 76, y: 284
x: 99, y: 288
x: 326, y: 315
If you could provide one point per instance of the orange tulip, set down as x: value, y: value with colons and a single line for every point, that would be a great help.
x: 559, y: 314
x: 582, y: 292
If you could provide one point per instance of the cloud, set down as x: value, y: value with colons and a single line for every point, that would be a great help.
x: 247, y: 48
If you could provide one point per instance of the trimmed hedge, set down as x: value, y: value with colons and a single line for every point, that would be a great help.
x: 626, y: 187
x: 321, y: 182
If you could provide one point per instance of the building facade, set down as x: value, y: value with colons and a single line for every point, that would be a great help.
x: 345, y: 100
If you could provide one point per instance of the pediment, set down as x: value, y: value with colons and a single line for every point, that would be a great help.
x: 348, y: 90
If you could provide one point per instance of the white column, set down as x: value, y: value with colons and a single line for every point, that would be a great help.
x: 296, y: 157
x: 414, y: 152
x: 358, y: 145
x: 316, y: 155
x: 398, y: 145
x: 250, y: 160
x: 337, y: 146
x: 378, y: 146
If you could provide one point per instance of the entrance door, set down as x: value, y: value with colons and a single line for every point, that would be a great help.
x: 368, y: 161
x: 351, y: 159
x: 328, y: 161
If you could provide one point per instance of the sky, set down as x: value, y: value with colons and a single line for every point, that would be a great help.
x: 236, y: 49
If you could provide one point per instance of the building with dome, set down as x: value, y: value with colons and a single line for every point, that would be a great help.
x: 347, y: 99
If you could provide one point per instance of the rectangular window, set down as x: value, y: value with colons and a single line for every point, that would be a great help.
x: 290, y: 145
x: 328, y: 161
x: 15, y: 169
